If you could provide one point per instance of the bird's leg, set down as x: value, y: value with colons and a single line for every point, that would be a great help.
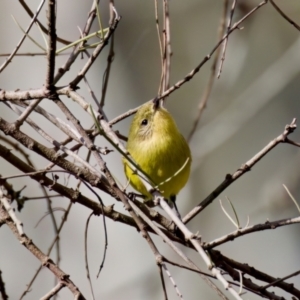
x: 172, y: 203
x: 132, y: 196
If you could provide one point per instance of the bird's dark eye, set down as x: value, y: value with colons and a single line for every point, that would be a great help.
x: 144, y: 122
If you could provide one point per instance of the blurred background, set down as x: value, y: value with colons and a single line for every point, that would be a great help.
x: 255, y: 97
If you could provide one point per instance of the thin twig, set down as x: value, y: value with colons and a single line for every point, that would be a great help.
x: 52, y: 46
x: 160, y: 47
x: 19, y: 122
x: 62, y: 70
x: 53, y: 291
x: 276, y: 282
x: 164, y: 266
x: 285, y: 16
x: 209, y: 86
x: 161, y: 275
x: 44, y: 29
x: 9, y: 59
x: 104, y: 226
x: 167, y: 51
x: 292, y: 197
x: 110, y: 59
x: 86, y: 256
x: 95, y: 54
x: 91, y: 92
x: 226, y: 40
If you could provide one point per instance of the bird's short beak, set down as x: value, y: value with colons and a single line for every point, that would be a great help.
x: 156, y: 104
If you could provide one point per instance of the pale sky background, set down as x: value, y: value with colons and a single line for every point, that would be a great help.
x: 256, y: 96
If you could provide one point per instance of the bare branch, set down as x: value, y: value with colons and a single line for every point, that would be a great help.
x: 250, y: 229
x: 284, y: 15
x: 282, y: 138
x: 231, y: 265
x: 6, y: 205
x: 53, y: 291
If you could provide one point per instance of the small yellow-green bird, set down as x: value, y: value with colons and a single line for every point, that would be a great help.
x: 160, y: 150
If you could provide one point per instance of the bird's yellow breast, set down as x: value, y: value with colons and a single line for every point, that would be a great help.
x: 161, y: 152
